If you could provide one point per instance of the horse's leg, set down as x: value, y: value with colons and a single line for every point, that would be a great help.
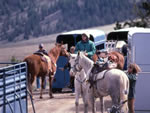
x: 77, y: 102
x: 77, y: 94
x: 42, y: 86
x: 29, y: 83
x: 85, y: 100
x: 102, y: 104
x: 31, y: 79
x: 92, y: 100
x: 93, y: 105
x: 50, y: 86
x: 115, y: 99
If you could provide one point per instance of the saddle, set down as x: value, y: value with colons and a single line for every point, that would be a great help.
x: 46, y: 59
x: 43, y: 58
x: 95, y: 72
x: 39, y: 53
x: 99, y: 67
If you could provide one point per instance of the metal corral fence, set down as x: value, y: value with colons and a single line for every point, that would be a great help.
x: 13, y: 89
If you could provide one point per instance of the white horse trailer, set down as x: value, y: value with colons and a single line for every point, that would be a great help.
x: 138, y: 40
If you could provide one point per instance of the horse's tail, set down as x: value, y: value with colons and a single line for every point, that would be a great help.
x: 28, y: 61
x: 29, y: 75
x: 124, y: 90
x: 29, y: 68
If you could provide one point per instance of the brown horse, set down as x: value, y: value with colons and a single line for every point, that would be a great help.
x: 113, y: 56
x: 38, y: 67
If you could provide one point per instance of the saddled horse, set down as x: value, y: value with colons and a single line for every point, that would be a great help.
x: 81, y: 86
x: 38, y: 67
x: 115, y: 57
x: 113, y: 82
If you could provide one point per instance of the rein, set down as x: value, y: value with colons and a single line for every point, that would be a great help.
x: 81, y: 81
x: 53, y: 62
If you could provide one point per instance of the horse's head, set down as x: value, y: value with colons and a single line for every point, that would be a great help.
x: 58, y: 50
x: 117, y: 58
x: 72, y: 61
x: 113, y: 58
x: 54, y: 53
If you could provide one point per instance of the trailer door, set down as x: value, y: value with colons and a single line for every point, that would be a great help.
x: 140, y: 54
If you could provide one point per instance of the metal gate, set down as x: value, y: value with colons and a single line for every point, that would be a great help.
x: 13, y: 89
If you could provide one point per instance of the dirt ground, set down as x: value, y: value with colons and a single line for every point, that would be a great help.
x: 61, y: 103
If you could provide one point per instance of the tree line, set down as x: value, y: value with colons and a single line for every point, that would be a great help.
x: 29, y: 18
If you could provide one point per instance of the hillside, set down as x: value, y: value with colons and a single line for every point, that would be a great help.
x: 24, y: 19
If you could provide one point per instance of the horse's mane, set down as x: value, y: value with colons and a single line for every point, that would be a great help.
x: 88, y: 62
x: 55, y: 52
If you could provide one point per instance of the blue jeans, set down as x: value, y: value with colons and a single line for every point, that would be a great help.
x: 38, y: 82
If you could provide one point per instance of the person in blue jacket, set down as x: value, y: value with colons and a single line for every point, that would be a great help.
x: 86, y: 45
x: 132, y: 73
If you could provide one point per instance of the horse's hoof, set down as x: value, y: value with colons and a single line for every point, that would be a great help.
x: 32, y: 98
x: 51, y: 96
x: 41, y: 97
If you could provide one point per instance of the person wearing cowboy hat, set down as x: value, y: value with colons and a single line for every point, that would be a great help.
x: 86, y: 45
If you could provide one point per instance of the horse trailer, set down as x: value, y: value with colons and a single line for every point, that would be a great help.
x: 138, y: 40
x: 62, y: 77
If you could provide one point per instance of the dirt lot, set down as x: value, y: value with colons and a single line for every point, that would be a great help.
x: 61, y: 103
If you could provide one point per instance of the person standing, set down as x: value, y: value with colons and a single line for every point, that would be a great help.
x: 68, y: 66
x: 133, y: 70
x: 43, y: 51
x: 86, y: 45
x: 124, y: 52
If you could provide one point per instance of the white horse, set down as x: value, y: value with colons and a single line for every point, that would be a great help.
x: 114, y: 83
x: 81, y: 87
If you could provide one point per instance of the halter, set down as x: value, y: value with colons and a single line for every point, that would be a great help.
x: 77, y: 67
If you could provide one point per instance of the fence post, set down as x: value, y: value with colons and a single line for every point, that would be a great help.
x: 4, y: 93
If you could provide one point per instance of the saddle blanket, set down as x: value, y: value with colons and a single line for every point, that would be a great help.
x: 100, y: 75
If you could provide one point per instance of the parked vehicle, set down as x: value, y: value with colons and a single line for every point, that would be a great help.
x: 71, y: 38
x: 138, y: 40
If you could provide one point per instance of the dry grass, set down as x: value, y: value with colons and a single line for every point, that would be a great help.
x: 22, y: 49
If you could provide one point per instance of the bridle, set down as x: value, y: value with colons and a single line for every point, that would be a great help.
x: 77, y: 67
